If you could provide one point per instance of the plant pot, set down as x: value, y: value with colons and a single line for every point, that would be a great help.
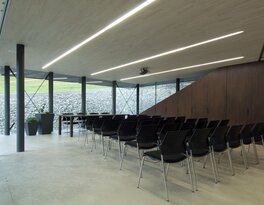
x: 45, y: 123
x: 31, y: 128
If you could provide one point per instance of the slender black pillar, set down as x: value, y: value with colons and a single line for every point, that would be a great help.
x: 83, y: 94
x: 178, y: 80
x: 114, y: 98
x: 7, y: 100
x: 137, y: 87
x: 155, y: 93
x: 20, y: 84
x: 51, y: 92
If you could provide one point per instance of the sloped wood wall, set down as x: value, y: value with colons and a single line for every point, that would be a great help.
x: 235, y: 93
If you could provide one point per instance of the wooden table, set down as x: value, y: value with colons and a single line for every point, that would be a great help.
x: 71, y: 117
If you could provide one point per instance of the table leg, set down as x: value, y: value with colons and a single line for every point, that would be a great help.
x: 71, y: 126
x: 60, y: 118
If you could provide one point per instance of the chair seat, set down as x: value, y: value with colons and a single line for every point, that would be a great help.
x: 258, y: 138
x: 234, y: 144
x: 247, y: 141
x: 141, y: 145
x: 219, y: 148
x: 167, y: 158
x: 127, y: 138
x: 199, y: 152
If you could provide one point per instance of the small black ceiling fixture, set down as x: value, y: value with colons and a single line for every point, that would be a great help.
x: 143, y: 71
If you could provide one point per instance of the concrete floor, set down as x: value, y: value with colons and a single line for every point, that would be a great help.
x: 59, y: 170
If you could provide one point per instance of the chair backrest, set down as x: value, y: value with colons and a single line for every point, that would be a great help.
x: 258, y: 129
x: 147, y: 134
x: 127, y: 128
x: 219, y: 136
x: 223, y: 123
x: 155, y: 116
x: 246, y: 131
x: 181, y: 118
x: 120, y: 117
x: 90, y: 120
x: 170, y: 119
x: 191, y: 120
x: 213, y: 124
x: 233, y: 133
x: 65, y: 118
x: 199, y: 139
x: 147, y: 121
x: 187, y: 126
x: 166, y: 128
x: 110, y: 125
x: 201, y: 123
x: 174, y: 143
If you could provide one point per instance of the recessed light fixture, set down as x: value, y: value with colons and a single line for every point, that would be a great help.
x: 94, y: 82
x: 169, y: 52
x: 109, y: 26
x: 183, y: 68
x: 60, y: 78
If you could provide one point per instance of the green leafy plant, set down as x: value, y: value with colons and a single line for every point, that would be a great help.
x: 30, y: 120
x: 42, y: 108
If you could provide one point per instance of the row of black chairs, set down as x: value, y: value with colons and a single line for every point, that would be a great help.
x: 176, y: 140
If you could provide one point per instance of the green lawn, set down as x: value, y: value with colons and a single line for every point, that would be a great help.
x: 31, y: 85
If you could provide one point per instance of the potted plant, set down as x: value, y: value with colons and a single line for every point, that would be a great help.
x: 31, y: 126
x: 45, y: 120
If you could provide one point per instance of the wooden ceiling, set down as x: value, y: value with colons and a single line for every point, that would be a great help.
x: 50, y: 27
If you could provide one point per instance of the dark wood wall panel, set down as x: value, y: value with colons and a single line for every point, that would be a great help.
x: 257, y: 86
x: 199, y: 106
x: 235, y: 93
x: 238, y: 95
x: 216, y: 95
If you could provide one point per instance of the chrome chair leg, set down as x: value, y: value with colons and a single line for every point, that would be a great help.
x: 213, y: 166
x: 164, y: 178
x: 194, y: 173
x: 190, y: 172
x: 205, y: 160
x: 230, y: 159
x: 255, y: 150
x: 122, y: 156
x: 140, y: 170
x: 244, y: 154
x: 119, y: 147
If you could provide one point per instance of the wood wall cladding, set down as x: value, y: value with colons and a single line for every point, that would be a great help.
x: 235, y: 93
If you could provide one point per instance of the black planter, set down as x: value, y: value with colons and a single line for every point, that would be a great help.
x: 31, y: 128
x: 45, y: 123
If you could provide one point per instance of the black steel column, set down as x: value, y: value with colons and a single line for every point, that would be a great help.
x: 155, y: 93
x: 20, y: 113
x: 178, y: 80
x: 83, y: 94
x: 137, y: 99
x: 114, y: 98
x: 51, y: 92
x: 7, y: 100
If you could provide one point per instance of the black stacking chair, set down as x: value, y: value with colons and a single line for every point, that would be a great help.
x: 125, y: 133
x: 198, y: 146
x: 171, y: 150
x: 146, y: 138
x: 170, y: 119
x: 181, y: 118
x: 258, y: 132
x: 218, y: 145
x: 119, y: 117
x: 212, y: 125
x: 109, y: 129
x: 223, y: 123
x: 233, y: 141
x: 191, y: 120
x: 90, y: 121
x: 201, y: 123
x: 81, y: 119
x: 247, y: 138
x: 66, y: 120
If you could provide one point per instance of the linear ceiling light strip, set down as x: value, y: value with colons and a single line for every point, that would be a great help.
x: 111, y: 25
x: 169, y: 52
x: 183, y: 68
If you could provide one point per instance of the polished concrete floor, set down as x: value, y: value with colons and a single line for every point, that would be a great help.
x: 59, y: 170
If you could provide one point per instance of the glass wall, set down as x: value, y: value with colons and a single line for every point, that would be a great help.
x: 185, y: 84
x: 146, y: 97
x: 2, y: 117
x: 126, y: 100
x: 165, y: 90
x: 98, y: 98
